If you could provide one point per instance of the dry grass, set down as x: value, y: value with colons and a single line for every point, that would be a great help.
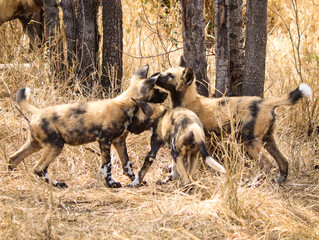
x: 235, y: 207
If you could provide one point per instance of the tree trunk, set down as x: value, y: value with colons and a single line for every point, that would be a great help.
x: 236, y: 42
x: 52, y: 34
x: 87, y: 43
x: 112, y: 64
x: 70, y: 27
x: 194, y: 41
x: 222, y: 83
x: 255, y: 49
x: 51, y: 19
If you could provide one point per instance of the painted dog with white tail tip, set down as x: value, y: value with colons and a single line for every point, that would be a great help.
x: 106, y: 121
x: 254, y: 117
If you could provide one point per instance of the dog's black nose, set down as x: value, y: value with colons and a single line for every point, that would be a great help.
x: 158, y: 96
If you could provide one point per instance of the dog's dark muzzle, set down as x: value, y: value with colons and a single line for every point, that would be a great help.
x: 161, y: 81
x: 158, y: 96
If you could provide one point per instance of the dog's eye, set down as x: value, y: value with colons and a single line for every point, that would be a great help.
x: 170, y: 75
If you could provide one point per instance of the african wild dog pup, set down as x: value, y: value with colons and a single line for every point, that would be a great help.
x: 106, y: 121
x: 253, y: 116
x: 182, y: 131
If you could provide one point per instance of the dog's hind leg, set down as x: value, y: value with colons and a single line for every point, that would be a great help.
x: 26, y: 150
x: 254, y: 148
x: 50, y: 152
x: 120, y: 146
x: 180, y: 166
x: 106, y: 167
x: 282, y: 162
x: 193, y: 164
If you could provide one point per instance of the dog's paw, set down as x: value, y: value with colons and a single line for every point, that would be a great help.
x: 136, y: 184
x: 60, y: 185
x: 132, y: 177
x: 114, y: 185
x: 165, y: 181
x: 282, y: 178
x: 131, y: 185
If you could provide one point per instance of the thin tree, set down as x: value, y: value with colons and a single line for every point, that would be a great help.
x: 112, y: 63
x: 222, y: 56
x: 194, y: 41
x: 70, y: 28
x: 236, y: 46
x: 52, y: 34
x: 255, y: 48
x: 87, y: 42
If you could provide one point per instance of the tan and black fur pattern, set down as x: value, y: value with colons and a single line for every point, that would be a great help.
x: 105, y: 121
x: 253, y: 116
x: 181, y: 130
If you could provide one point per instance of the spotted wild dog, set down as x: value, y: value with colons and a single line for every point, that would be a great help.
x: 181, y: 130
x: 254, y: 117
x: 105, y: 121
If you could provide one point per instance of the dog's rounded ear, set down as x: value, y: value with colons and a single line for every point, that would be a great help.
x: 145, y: 107
x: 146, y: 85
x: 182, y: 62
x: 142, y: 73
x: 188, y: 76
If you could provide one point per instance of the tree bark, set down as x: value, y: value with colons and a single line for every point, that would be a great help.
x: 51, y: 19
x: 112, y: 63
x: 87, y: 43
x: 52, y: 34
x: 70, y: 28
x: 222, y: 82
x: 194, y: 41
x: 255, y: 48
x: 236, y: 45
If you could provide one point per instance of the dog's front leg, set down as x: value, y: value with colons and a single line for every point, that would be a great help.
x: 156, y: 144
x: 120, y: 146
x: 106, y: 168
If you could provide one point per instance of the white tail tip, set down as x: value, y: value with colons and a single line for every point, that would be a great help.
x: 213, y: 164
x: 27, y: 92
x: 306, y: 90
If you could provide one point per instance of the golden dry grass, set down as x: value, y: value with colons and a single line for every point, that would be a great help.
x: 234, y: 207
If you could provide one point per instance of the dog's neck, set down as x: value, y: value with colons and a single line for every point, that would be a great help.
x: 129, y: 93
x: 185, y: 97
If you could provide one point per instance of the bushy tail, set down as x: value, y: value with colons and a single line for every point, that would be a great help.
x: 290, y: 99
x: 199, y: 137
x: 23, y: 96
x: 208, y: 158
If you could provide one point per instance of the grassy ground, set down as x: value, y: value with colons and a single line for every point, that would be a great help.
x: 237, y: 206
